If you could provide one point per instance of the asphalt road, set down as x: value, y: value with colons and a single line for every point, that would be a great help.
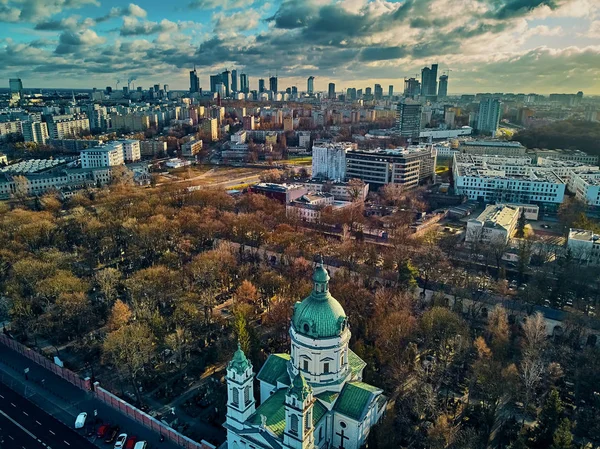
x: 23, y: 425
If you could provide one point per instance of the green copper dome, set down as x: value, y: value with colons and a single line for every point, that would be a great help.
x: 239, y: 363
x: 320, y: 315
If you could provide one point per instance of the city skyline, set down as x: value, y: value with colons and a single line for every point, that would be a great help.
x: 540, y: 46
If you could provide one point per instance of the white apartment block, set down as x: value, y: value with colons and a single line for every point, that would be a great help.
x: 12, y: 128
x: 329, y: 160
x: 239, y: 137
x: 586, y: 187
x: 64, y: 128
x: 308, y: 207
x: 494, y: 179
x: 584, y: 246
x: 108, y: 155
x: 131, y: 150
x: 304, y: 139
x: 152, y: 147
x: 341, y: 191
x: 35, y: 131
x: 492, y: 147
x: 191, y: 148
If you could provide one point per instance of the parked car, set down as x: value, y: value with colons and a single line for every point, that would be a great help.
x: 103, y: 430
x: 141, y: 445
x: 80, y: 421
x: 130, y: 443
x: 120, y: 442
x: 112, y: 434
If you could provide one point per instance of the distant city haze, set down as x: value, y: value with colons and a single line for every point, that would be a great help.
x: 525, y: 46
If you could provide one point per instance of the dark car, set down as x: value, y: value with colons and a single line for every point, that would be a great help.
x: 103, y: 430
x: 111, y: 434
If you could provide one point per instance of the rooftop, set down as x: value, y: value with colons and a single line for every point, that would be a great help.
x: 583, y: 235
x: 492, y: 143
x: 32, y: 166
x: 498, y: 215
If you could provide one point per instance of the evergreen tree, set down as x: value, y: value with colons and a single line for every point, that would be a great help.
x: 563, y: 438
x: 521, y: 225
x: 549, y: 419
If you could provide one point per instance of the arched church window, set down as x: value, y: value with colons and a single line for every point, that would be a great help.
x: 305, y: 365
x: 247, y: 395
x: 294, y: 424
x: 325, y: 368
x: 236, y: 397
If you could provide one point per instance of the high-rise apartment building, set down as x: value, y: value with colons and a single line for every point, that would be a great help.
x: 408, y: 119
x: 412, y: 87
x: 210, y: 128
x: 226, y: 80
x: 443, y: 89
x: 429, y: 81
x: 261, y: 85
x: 16, y: 90
x: 310, y: 85
x: 351, y: 93
x: 331, y: 92
x: 390, y: 91
x: 329, y: 160
x: 234, y: 81
x: 35, y: 131
x: 488, y: 118
x: 244, y: 85
x: 273, y: 84
x: 62, y: 127
x: 248, y: 122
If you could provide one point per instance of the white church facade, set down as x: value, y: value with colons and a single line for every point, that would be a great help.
x: 312, y: 398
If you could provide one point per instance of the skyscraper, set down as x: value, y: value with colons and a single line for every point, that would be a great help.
x: 234, y: 81
x: 310, y: 85
x: 443, y: 90
x: 390, y: 91
x: 429, y: 81
x: 331, y: 91
x: 273, y: 84
x: 261, y: 86
x: 351, y: 93
x: 244, y: 86
x: 214, y: 80
x: 412, y: 87
x: 294, y: 91
x: 408, y: 119
x: 489, y: 116
x: 16, y: 90
x: 226, y: 80
x: 378, y: 92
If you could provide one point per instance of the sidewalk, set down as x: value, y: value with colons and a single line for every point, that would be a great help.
x: 63, y: 400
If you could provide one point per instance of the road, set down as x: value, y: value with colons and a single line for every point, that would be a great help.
x: 23, y: 425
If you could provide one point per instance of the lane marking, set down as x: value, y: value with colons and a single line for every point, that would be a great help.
x: 38, y: 422
x: 1, y: 396
x: 13, y: 405
x: 18, y: 425
x: 11, y: 437
x: 26, y: 414
x: 51, y: 432
x: 68, y: 444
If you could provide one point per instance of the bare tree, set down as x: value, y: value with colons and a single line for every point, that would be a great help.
x: 535, y: 334
x: 531, y: 371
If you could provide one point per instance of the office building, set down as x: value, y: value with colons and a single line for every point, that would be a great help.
x: 408, y: 119
x: 329, y: 160
x: 194, y: 81
x: 429, y: 81
x: 378, y: 92
x: 499, y: 179
x: 495, y: 224
x: 488, y: 117
x: 331, y: 91
x: 108, y: 155
x: 284, y: 193
x: 341, y: 191
x: 16, y: 91
x: 261, y: 86
x: 35, y: 131
x: 351, y: 94
x: 403, y: 166
x: 584, y: 246
x: 273, y: 84
x: 443, y: 88
x: 214, y: 80
x: 294, y: 91
x: 226, y: 81
x: 412, y: 87
x: 492, y: 148
x: 310, y: 85
x: 244, y: 83
x: 234, y: 81
x: 390, y: 91
x: 543, y: 156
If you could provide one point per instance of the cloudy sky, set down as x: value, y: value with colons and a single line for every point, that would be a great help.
x: 489, y: 45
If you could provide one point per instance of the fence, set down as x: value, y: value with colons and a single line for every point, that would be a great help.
x: 106, y: 397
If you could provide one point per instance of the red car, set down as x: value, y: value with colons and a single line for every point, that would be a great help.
x: 130, y: 443
x: 102, y: 430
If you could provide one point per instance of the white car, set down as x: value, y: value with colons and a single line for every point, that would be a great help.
x: 140, y: 445
x: 120, y: 443
x: 80, y: 421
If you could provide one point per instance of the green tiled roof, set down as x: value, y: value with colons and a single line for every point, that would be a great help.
x: 354, y: 399
x: 355, y: 362
x: 328, y: 396
x: 284, y: 379
x: 319, y: 315
x: 274, y: 409
x: 274, y: 368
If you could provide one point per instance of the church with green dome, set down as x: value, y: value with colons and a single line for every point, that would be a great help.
x: 311, y: 398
